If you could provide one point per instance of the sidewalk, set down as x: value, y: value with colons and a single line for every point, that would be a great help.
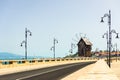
x: 115, y: 66
x: 97, y: 71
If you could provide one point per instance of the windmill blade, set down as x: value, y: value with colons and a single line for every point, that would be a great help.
x: 80, y: 35
x: 77, y: 37
x: 75, y: 40
x: 84, y: 35
x: 75, y: 45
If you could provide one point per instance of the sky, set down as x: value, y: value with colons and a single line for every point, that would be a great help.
x: 64, y: 20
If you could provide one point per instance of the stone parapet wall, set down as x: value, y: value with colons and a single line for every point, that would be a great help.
x: 17, y: 63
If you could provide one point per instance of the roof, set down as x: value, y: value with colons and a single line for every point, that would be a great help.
x: 87, y: 42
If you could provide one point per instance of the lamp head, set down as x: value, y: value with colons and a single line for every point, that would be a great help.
x: 30, y: 34
x: 102, y: 20
x: 21, y: 45
x: 117, y: 36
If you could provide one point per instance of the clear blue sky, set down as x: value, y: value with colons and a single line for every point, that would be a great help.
x: 62, y: 19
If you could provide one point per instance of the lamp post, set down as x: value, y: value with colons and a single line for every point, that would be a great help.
x: 110, y: 33
x: 71, y: 50
x: 25, y: 41
x: 53, y: 48
x: 72, y: 47
x: 106, y: 34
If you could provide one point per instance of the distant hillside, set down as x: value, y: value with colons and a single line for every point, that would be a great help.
x: 7, y: 55
x: 10, y: 56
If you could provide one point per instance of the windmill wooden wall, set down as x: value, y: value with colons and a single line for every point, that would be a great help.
x: 84, y: 47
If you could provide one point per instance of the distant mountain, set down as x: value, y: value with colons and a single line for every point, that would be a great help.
x: 7, y: 56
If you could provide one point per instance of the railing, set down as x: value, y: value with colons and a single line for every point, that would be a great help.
x: 15, y: 63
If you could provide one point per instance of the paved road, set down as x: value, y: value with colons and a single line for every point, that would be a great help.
x: 49, y: 73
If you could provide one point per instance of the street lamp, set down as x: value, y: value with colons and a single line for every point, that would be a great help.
x: 110, y: 33
x: 25, y: 41
x: 106, y: 34
x: 113, y: 31
x: 72, y: 47
x: 53, y: 48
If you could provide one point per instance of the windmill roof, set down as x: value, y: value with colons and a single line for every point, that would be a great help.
x: 87, y: 42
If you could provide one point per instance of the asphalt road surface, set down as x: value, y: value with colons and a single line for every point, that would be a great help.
x: 49, y: 73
